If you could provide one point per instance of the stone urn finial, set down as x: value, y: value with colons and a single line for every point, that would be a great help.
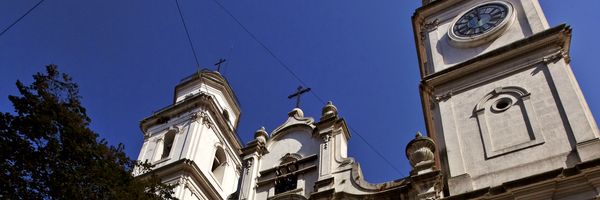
x: 329, y: 111
x: 420, y: 152
x: 261, y: 135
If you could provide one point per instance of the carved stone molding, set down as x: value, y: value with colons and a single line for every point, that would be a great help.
x: 188, y: 184
x: 443, y: 97
x: 432, y: 25
x: 556, y: 57
x: 326, y: 138
x: 427, y: 27
x: 248, y: 164
x: 181, y: 181
x: 507, y: 105
x: 430, y: 189
x: 207, y: 122
x: 196, y: 116
x: 425, y: 2
x: 202, y: 117
x: 175, y: 129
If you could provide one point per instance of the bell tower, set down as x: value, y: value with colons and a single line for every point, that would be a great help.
x: 498, y: 93
x: 192, y: 142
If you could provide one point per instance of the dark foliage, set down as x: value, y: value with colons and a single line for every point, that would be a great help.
x: 48, y: 151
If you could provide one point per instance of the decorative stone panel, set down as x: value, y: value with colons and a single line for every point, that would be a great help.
x: 507, y: 121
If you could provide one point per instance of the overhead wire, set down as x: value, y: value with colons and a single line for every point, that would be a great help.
x: 288, y: 69
x: 281, y: 63
x: 229, y: 58
x: 187, y: 32
x: 20, y: 18
x: 375, y: 150
x: 285, y: 66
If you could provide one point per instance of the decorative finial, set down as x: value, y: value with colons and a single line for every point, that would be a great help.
x: 420, y: 152
x: 329, y: 111
x: 261, y: 135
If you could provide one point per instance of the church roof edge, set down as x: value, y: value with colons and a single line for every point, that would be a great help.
x: 212, y: 74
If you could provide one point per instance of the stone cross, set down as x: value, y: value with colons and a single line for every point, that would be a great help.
x: 218, y: 64
x: 297, y: 94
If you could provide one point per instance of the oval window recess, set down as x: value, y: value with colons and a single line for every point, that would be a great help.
x: 502, y: 104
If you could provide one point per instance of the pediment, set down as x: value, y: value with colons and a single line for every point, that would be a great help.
x: 295, y: 118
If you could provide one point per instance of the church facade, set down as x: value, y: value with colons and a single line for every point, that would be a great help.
x: 505, y: 117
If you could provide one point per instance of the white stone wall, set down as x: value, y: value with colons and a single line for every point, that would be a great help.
x: 547, y: 124
x: 203, y: 148
x: 153, y: 144
x: 186, y: 188
x: 533, y: 136
x: 298, y: 141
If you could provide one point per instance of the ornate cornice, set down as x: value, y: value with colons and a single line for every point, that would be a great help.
x: 576, y: 179
x: 560, y: 54
x: 201, y: 100
x: 555, y: 38
x: 203, y: 118
x: 216, y: 79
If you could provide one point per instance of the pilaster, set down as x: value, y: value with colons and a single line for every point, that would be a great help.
x: 579, y: 117
x: 327, y: 153
x: 251, y: 158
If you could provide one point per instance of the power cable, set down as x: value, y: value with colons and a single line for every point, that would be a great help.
x: 20, y: 18
x: 375, y: 150
x: 288, y: 69
x: 285, y: 66
x: 188, y: 34
x: 228, y: 57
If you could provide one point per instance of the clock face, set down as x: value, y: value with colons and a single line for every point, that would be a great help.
x: 480, y: 20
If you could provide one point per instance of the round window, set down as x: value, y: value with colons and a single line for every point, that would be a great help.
x: 502, y: 104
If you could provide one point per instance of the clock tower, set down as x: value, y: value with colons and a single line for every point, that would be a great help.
x: 498, y: 93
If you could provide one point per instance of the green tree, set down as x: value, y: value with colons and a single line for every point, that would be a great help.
x: 47, y: 150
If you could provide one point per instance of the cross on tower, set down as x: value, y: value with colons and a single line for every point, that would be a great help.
x: 218, y: 64
x: 297, y: 94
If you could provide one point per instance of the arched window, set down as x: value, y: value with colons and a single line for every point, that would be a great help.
x: 168, y: 144
x: 287, y: 172
x: 218, y: 165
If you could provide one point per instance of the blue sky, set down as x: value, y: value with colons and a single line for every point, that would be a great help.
x: 127, y: 57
